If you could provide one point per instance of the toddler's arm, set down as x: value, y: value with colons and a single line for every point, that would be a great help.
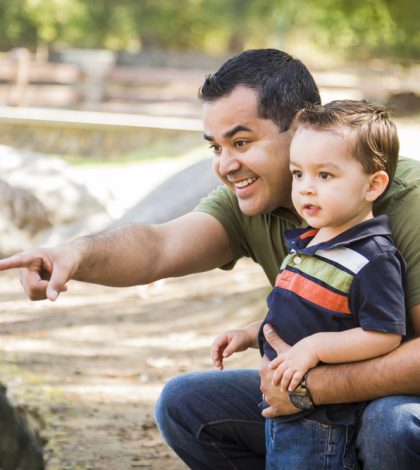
x: 345, y: 346
x: 233, y: 341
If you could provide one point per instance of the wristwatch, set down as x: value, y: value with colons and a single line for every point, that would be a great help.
x: 301, y: 397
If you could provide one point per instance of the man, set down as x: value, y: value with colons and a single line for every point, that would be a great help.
x: 211, y: 419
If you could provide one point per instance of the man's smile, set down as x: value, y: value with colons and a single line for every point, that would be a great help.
x: 244, y: 183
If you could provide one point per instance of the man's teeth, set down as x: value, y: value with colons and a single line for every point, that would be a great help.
x: 243, y: 183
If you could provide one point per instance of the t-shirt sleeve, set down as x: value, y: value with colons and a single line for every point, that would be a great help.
x: 377, y: 295
x: 402, y: 206
x: 222, y: 205
x: 405, y: 227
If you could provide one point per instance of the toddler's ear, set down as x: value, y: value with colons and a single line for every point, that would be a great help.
x: 378, y: 182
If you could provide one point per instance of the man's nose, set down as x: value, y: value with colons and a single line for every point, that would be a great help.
x: 227, y: 162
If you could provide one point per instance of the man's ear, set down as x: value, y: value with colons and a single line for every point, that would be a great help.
x: 378, y: 182
x: 294, y: 124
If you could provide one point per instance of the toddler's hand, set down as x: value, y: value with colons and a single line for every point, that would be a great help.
x: 292, y: 365
x: 227, y: 343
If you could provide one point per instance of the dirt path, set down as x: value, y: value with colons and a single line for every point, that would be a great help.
x: 92, y: 364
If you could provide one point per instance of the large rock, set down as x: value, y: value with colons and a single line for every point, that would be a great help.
x: 20, y: 448
x: 175, y: 196
x: 50, y: 181
x: 12, y: 239
x: 23, y: 209
x: 21, y: 217
x: 42, y: 202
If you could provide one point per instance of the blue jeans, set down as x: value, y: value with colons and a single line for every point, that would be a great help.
x: 389, y: 434
x: 212, y: 421
x: 314, y: 445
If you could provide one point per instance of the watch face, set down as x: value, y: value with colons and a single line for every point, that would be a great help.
x: 301, y: 401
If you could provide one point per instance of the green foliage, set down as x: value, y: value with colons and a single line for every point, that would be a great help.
x: 356, y: 28
x: 364, y: 28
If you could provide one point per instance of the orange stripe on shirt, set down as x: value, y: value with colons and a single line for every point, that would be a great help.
x: 309, y: 233
x: 312, y: 291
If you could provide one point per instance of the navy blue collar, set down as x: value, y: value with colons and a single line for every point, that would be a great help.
x: 297, y: 239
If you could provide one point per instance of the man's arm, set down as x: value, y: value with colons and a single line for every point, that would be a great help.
x: 140, y: 254
x: 396, y: 373
x: 129, y: 255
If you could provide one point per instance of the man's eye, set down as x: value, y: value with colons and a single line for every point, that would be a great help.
x: 240, y: 143
x: 325, y: 176
x: 215, y: 148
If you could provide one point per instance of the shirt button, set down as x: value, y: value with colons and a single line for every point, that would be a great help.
x: 297, y: 259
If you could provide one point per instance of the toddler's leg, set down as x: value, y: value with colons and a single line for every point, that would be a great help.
x: 306, y: 444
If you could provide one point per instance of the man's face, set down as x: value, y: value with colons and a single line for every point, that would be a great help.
x: 251, y: 155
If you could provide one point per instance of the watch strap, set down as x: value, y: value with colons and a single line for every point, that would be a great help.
x: 301, y: 396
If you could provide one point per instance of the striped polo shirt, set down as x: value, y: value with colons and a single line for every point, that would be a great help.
x: 354, y: 280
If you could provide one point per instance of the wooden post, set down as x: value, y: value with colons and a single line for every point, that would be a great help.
x: 22, y: 59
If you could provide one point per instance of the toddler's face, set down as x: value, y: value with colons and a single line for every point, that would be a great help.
x: 329, y: 186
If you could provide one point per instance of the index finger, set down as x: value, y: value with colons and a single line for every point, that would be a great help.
x: 21, y: 260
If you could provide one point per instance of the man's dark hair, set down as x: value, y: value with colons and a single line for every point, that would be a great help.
x: 284, y: 84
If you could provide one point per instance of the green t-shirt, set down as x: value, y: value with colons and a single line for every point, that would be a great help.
x: 260, y: 237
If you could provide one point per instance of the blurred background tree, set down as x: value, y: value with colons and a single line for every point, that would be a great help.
x: 355, y: 29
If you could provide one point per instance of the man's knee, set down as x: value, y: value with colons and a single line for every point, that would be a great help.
x: 174, y: 403
x: 169, y: 401
x: 392, y: 418
x: 390, y: 429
